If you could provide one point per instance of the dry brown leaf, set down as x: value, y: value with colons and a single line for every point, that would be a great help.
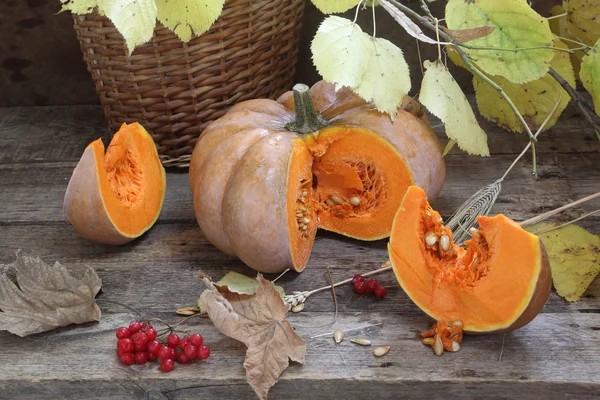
x: 47, y: 297
x: 466, y: 35
x: 258, y: 321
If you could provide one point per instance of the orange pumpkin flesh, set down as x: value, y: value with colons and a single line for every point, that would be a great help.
x: 498, y: 282
x: 115, y: 197
x: 261, y: 190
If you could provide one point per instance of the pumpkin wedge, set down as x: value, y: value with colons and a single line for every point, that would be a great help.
x: 499, y: 281
x: 115, y: 197
x: 268, y: 173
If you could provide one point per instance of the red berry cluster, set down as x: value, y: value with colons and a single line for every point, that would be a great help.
x: 138, y: 344
x: 361, y: 286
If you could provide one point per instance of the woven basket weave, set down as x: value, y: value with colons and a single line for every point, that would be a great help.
x: 176, y: 89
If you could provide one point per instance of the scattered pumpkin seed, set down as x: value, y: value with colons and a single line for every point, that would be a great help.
x: 457, y: 323
x: 438, y: 346
x: 445, y: 242
x: 428, y: 341
x: 188, y: 311
x: 298, y: 308
x: 430, y: 239
x: 381, y: 351
x: 362, y: 342
x: 455, y: 346
x: 338, y: 336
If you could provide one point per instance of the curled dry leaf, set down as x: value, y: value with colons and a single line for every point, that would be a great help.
x: 47, y: 297
x: 466, y: 35
x: 258, y: 321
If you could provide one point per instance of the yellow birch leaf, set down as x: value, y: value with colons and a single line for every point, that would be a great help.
x: 559, y: 26
x: 590, y: 74
x: 534, y: 100
x: 583, y: 18
x: 574, y: 255
x: 188, y: 17
x: 334, y: 6
x: 517, y: 26
x: 79, y: 6
x: 134, y: 19
x: 443, y: 97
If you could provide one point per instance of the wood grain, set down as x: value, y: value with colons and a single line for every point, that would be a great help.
x: 556, y: 356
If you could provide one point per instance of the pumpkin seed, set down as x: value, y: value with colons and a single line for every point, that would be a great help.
x: 304, y: 227
x: 438, y: 346
x: 187, y: 310
x: 428, y: 341
x: 381, y: 351
x: 298, y: 308
x: 338, y: 336
x: 457, y: 323
x: 354, y: 200
x: 455, y: 346
x: 329, y: 202
x: 430, y: 239
x: 445, y: 242
x: 336, y: 199
x: 306, y: 220
x: 362, y: 342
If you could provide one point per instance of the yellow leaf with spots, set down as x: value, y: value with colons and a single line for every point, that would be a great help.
x: 517, y: 26
x: 534, y: 100
x: 590, y: 74
x: 334, y: 6
x: 188, y: 17
x: 559, y: 27
x: 583, y: 18
x: 134, y: 19
x: 574, y: 255
x: 79, y: 6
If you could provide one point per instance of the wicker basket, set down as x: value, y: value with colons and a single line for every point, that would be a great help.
x: 176, y: 89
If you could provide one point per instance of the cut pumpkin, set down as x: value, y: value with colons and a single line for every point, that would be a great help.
x: 499, y: 281
x: 115, y: 197
x: 268, y: 173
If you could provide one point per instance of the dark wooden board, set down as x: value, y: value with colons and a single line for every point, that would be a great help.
x: 556, y: 356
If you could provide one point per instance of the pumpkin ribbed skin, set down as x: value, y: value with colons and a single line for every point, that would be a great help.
x: 248, y: 171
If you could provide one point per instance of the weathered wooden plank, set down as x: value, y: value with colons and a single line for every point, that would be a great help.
x: 555, y: 350
x: 163, y: 264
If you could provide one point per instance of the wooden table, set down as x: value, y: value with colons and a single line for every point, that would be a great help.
x: 556, y: 356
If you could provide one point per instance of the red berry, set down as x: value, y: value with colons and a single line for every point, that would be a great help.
x: 183, y: 342
x: 165, y: 353
x: 152, y: 356
x: 120, y: 353
x: 125, y: 345
x: 144, y: 326
x: 372, y: 285
x: 154, y: 346
x: 360, y: 287
x: 196, y: 339
x: 167, y: 365
x: 135, y: 327
x: 141, y: 357
x: 151, y: 333
x: 203, y: 352
x: 173, y: 340
x: 182, y: 358
x: 123, y: 333
x: 139, y: 339
x: 127, y: 358
x: 190, y: 351
x: 138, y: 347
x: 358, y: 278
x: 380, y: 291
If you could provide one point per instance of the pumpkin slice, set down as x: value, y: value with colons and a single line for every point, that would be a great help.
x: 499, y: 281
x: 115, y: 197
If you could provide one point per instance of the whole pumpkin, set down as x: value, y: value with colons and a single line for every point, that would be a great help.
x: 268, y: 173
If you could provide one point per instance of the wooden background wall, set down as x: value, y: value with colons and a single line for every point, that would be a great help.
x: 41, y: 64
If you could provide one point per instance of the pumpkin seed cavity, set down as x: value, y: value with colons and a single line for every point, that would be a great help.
x: 124, y: 174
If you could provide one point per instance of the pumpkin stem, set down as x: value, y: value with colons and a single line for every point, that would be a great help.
x: 307, y: 120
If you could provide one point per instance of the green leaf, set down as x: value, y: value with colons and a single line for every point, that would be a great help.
x: 334, y: 6
x: 188, y: 17
x: 78, y: 6
x: 373, y: 68
x: 517, y: 26
x: 534, y: 100
x: 134, y: 19
x: 574, y: 255
x: 583, y: 18
x: 387, y: 78
x: 590, y: 74
x: 443, y: 97
x: 241, y: 284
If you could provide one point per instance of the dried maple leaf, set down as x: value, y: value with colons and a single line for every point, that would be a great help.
x: 258, y: 321
x: 46, y: 298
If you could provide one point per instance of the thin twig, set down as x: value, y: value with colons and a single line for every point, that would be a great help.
x: 347, y: 330
x: 333, y: 294
x: 548, y: 214
x: 566, y: 223
x: 280, y: 275
x: 557, y: 16
x: 502, y: 348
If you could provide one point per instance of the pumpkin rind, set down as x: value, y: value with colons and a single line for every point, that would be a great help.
x: 509, y: 289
